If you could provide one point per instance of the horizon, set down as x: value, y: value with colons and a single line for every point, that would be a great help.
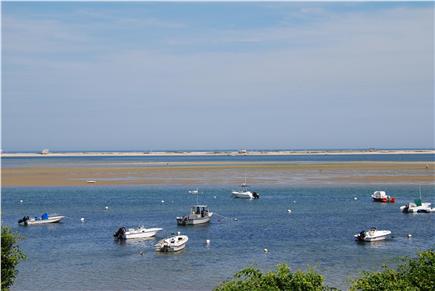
x: 254, y: 75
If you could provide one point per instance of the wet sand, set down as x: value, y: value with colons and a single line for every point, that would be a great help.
x: 223, y: 173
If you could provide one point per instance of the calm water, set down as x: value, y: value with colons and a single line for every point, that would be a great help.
x: 119, y: 161
x: 319, y: 233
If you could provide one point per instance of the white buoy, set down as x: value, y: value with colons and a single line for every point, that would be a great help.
x: 409, y: 235
x: 178, y: 233
x: 21, y: 201
x: 163, y: 201
x: 235, y: 219
x: 214, y: 197
x: 355, y: 198
x: 266, y: 251
x: 289, y: 210
x: 207, y: 241
x: 294, y: 201
x: 107, y: 207
x: 82, y: 219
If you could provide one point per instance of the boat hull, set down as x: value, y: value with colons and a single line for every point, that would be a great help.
x: 194, y: 221
x: 245, y: 195
x: 32, y: 221
x: 146, y: 233
x: 172, y: 244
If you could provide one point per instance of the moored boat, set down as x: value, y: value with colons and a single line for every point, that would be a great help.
x: 44, y: 219
x: 417, y: 207
x: 245, y: 193
x: 139, y: 232
x: 199, y: 214
x: 381, y: 196
x: 172, y: 244
x: 372, y: 235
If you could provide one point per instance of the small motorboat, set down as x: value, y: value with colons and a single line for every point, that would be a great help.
x: 44, y: 219
x: 244, y: 193
x: 372, y: 235
x: 172, y: 244
x: 381, y: 196
x: 139, y: 232
x: 200, y: 214
x: 417, y: 207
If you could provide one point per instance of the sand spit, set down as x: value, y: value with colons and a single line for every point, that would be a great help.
x: 222, y: 173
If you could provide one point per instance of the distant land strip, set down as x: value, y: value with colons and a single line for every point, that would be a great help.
x: 46, y: 153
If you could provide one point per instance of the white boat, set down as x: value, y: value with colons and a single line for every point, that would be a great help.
x: 172, y: 244
x: 44, y: 219
x: 372, y: 235
x: 417, y: 207
x: 245, y: 193
x: 139, y: 232
x: 381, y: 196
x: 200, y: 214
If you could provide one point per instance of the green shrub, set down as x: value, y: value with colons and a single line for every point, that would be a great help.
x: 10, y: 257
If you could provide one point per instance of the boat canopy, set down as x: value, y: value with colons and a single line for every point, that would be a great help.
x: 417, y: 202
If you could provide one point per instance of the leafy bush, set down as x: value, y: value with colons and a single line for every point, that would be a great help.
x: 412, y: 274
x: 10, y: 257
x: 251, y: 279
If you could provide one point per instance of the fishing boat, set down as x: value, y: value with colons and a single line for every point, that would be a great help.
x: 417, y: 207
x: 172, y: 244
x: 44, y: 219
x: 199, y: 214
x: 245, y: 193
x: 372, y: 235
x: 381, y: 196
x: 139, y: 232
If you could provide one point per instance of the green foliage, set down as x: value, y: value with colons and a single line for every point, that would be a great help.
x: 10, y: 257
x: 412, y: 274
x: 283, y: 279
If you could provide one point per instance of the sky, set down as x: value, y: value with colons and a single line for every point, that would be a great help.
x: 154, y: 76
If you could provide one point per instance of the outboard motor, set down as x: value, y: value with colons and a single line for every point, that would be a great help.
x: 255, y: 195
x: 362, y: 235
x: 24, y: 219
x: 119, y: 234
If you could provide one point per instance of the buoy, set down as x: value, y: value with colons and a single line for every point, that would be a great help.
x: 355, y: 198
x: 178, y: 233
x: 409, y: 235
x: 207, y: 241
x: 82, y: 219
x: 266, y: 250
x: 294, y: 201
x: 235, y: 219
x: 107, y: 207
x: 21, y: 201
x: 289, y: 210
x: 163, y: 201
x: 214, y: 197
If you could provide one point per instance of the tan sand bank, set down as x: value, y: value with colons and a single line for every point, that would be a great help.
x: 224, y: 173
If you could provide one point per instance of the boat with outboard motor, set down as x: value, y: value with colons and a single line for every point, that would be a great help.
x: 245, y: 193
x: 417, y: 207
x: 381, y: 196
x: 139, y: 232
x: 172, y: 244
x: 44, y: 219
x: 372, y: 235
x: 199, y: 214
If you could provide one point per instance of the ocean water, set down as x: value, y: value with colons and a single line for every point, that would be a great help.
x: 126, y: 161
x: 318, y: 233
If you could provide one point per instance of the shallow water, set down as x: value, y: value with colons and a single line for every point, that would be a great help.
x: 318, y: 233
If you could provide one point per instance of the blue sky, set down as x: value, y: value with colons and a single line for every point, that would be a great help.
x: 149, y: 76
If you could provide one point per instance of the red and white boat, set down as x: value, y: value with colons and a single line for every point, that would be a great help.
x: 381, y: 196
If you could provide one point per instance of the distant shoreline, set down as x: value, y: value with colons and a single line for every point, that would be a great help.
x: 218, y: 153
